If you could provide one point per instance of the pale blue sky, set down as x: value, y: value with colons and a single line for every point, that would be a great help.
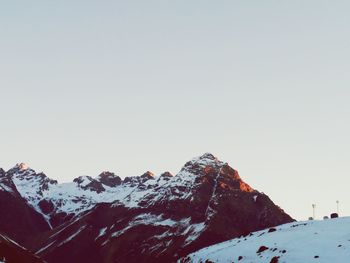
x: 130, y: 86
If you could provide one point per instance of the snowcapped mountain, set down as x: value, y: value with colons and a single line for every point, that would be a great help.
x: 312, y: 241
x: 160, y: 219
x: 151, y: 218
x: 59, y: 203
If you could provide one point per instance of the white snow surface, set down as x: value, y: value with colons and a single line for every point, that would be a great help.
x: 299, y: 242
x: 102, y: 232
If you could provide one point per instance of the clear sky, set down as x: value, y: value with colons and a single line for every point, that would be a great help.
x: 131, y: 86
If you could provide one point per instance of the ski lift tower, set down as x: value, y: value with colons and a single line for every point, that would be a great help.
x: 313, y: 211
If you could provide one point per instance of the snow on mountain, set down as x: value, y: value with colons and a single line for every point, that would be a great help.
x: 60, y: 202
x: 159, y: 219
x: 299, y: 242
x: 29, y: 184
x: 156, y: 218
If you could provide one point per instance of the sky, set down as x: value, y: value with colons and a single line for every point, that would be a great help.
x: 130, y: 86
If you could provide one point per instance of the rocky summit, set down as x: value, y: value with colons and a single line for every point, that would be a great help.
x: 143, y: 218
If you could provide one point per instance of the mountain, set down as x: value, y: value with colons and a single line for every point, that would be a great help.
x: 58, y: 203
x: 312, y: 241
x: 18, y: 219
x: 156, y: 219
x: 11, y: 252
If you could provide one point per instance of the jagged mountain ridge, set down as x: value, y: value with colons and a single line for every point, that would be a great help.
x: 59, y: 203
x: 158, y: 219
x: 165, y: 218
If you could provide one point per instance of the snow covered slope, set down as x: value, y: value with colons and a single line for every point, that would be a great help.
x: 312, y: 241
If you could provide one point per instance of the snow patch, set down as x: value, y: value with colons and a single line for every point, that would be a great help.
x: 102, y: 232
x: 195, y: 230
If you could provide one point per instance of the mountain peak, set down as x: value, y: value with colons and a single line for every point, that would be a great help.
x: 109, y: 179
x: 167, y: 174
x: 205, y: 160
x: 22, y: 166
x: 107, y: 174
x: 148, y: 174
x: 207, y: 155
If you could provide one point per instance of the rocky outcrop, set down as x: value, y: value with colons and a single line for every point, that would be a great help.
x: 110, y: 179
x: 89, y: 183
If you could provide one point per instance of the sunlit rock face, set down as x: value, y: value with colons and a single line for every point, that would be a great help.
x: 22, y: 166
